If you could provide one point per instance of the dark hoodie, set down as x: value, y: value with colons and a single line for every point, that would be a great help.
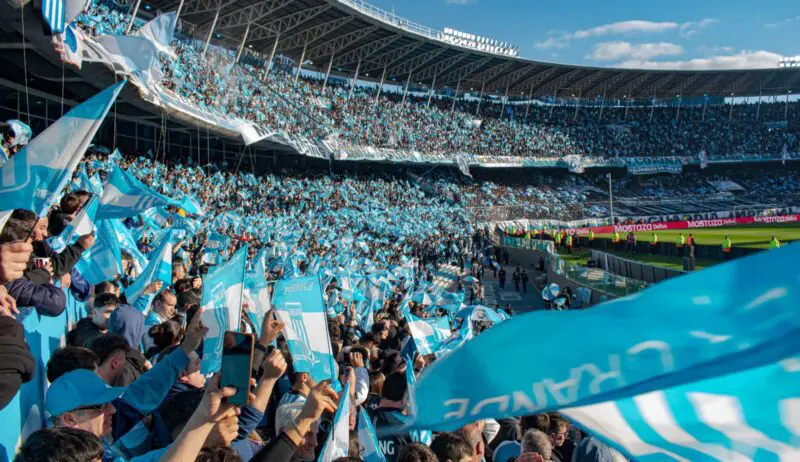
x: 83, y: 333
x: 16, y: 362
x: 128, y: 322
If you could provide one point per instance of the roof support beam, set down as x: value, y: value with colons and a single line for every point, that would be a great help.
x: 384, y: 60
x: 491, y: 73
x: 365, y: 51
x: 313, y: 33
x: 411, y: 64
x: 512, y: 78
x: 532, y: 81
x: 440, y: 66
x: 659, y: 85
x: 284, y: 23
x: 333, y: 46
x: 590, y: 79
x: 606, y: 84
x: 253, y: 13
x: 559, y: 83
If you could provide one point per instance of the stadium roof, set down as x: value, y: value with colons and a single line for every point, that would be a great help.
x: 351, y: 31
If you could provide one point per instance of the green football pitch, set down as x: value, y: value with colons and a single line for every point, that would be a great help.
x: 755, y: 236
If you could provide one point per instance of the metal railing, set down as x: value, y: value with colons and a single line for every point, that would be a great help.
x: 593, y: 278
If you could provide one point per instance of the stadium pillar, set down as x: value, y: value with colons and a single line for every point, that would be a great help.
x: 178, y: 11
x: 433, y: 89
x: 455, y: 96
x: 610, y: 199
x: 480, y: 99
x: 241, y: 45
x: 627, y: 106
x: 211, y: 31
x: 678, y: 113
x: 730, y: 111
x: 380, y: 87
x: 528, y: 106
x: 555, y: 98
x: 653, y: 106
x: 705, y: 103
x: 327, y: 74
x: 405, y: 92
x: 272, y: 55
x: 758, y: 109
x: 300, y: 64
x: 503, y: 106
x: 602, y: 105
x: 133, y: 16
x: 355, y: 78
x: 577, y: 106
x: 786, y: 108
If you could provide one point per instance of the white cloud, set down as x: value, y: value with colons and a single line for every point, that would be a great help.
x: 743, y: 60
x: 612, y: 51
x: 551, y: 43
x: 460, y: 2
x: 626, y: 27
x: 688, y: 29
x: 772, y: 25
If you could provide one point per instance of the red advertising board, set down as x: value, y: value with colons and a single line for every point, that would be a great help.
x: 647, y: 227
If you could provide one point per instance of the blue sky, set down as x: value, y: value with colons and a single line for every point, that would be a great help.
x: 674, y: 34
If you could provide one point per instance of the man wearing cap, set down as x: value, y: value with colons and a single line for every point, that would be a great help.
x: 80, y: 399
x: 96, y: 324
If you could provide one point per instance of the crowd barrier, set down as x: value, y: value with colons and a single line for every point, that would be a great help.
x: 602, y: 283
x: 633, y: 269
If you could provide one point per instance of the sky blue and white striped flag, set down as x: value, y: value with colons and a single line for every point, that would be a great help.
x: 338, y: 443
x: 58, y: 13
x: 35, y: 177
x: 368, y: 439
x: 217, y: 241
x: 103, y: 261
x: 750, y: 415
x: 158, y: 269
x: 127, y: 243
x: 421, y: 436
x: 81, y: 225
x: 688, y: 348
x: 298, y: 304
x: 156, y: 217
x: 222, y: 306
x: 256, y: 300
x: 427, y: 333
x: 159, y: 32
x: 125, y: 196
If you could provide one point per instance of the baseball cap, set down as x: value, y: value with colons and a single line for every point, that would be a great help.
x: 79, y: 388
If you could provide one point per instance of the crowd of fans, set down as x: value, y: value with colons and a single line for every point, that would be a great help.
x: 127, y: 385
x: 307, y: 107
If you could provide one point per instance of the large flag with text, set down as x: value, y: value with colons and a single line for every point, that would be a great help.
x: 298, y: 304
x: 125, y: 196
x: 714, y: 355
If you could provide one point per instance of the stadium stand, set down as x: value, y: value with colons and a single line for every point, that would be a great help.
x: 132, y: 263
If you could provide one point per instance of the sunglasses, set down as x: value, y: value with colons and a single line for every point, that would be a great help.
x: 95, y: 407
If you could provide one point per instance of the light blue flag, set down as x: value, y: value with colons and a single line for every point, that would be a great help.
x: 125, y: 196
x: 127, y: 243
x: 720, y: 321
x: 84, y: 183
x: 420, y: 436
x: 58, y: 13
x: 191, y: 205
x: 103, y: 261
x: 256, y: 300
x: 299, y: 305
x: 749, y: 415
x: 217, y: 241
x: 338, y: 443
x: 82, y: 225
x: 222, y: 307
x: 368, y: 439
x: 456, y: 340
x: 158, y: 269
x: 35, y: 177
x: 156, y: 217
x: 427, y: 333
